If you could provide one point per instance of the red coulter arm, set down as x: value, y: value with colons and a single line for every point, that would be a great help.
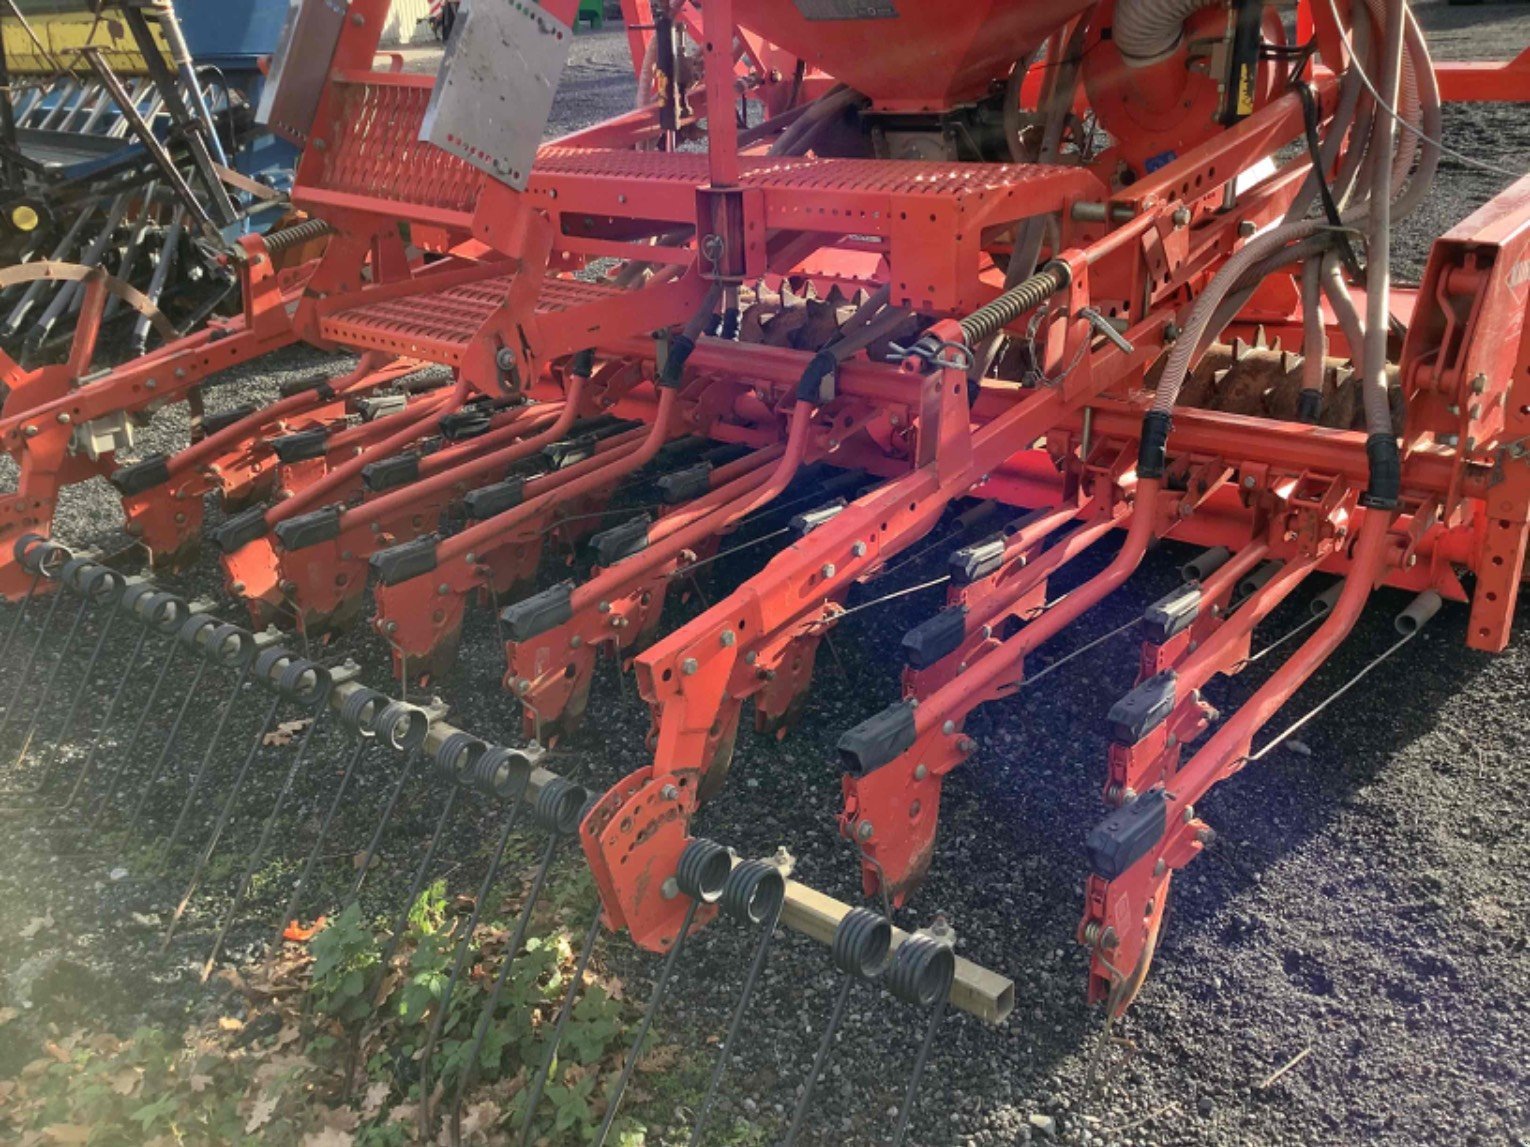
x: 1091, y: 302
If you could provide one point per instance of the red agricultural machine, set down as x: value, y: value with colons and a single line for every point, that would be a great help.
x: 1023, y: 280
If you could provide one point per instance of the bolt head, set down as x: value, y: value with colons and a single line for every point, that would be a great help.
x: 1247, y: 228
x: 948, y: 728
x: 859, y: 549
x: 670, y: 889
x: 689, y: 667
x: 728, y: 638
x: 920, y: 772
x: 575, y: 642
x: 828, y: 570
x: 63, y: 417
x: 865, y: 830
x: 670, y: 793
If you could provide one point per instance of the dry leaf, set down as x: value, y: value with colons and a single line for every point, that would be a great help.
x: 288, y: 1034
x: 36, y: 925
x: 329, y: 1137
x: 404, y: 1113
x: 286, y: 732
x: 376, y: 1095
x: 125, y: 1082
x: 230, y: 1024
x: 480, y: 1118
x: 199, y: 1083
x: 7, y: 1015
x: 260, y: 1114
x: 659, y: 1059
x: 61, y: 1055
x: 67, y: 1133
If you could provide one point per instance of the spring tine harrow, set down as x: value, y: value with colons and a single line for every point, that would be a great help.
x: 701, y: 878
x: 862, y: 950
x: 554, y: 1040
x: 307, y: 685
x: 152, y: 779
x: 372, y: 719
x: 753, y: 896
x: 557, y: 812
x: 267, y: 660
x: 246, y: 665
x: 374, y: 843
x: 923, y: 969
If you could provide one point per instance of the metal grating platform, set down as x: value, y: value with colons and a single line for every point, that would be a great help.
x: 439, y: 326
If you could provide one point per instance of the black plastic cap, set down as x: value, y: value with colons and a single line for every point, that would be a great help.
x: 975, y: 562
x: 878, y: 740
x: 240, y: 530
x: 571, y: 451
x: 806, y: 523
x: 319, y: 383
x: 213, y: 423
x: 140, y: 476
x: 1128, y: 834
x: 539, y: 613
x: 304, y: 446
x: 391, y: 473
x: 1143, y: 709
x: 381, y: 405
x: 681, y: 347
x: 935, y: 637
x: 488, y: 501
x: 1152, y: 456
x: 729, y: 329
x: 1383, y: 491
x: 1309, y: 407
x: 400, y: 563
x: 470, y: 422
x: 1172, y: 614
x: 816, y: 386
x: 621, y: 541
x: 683, y: 485
x: 582, y: 364
x: 309, y: 529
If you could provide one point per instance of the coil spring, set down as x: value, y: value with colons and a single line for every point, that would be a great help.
x: 922, y: 972
x: 289, y: 237
x: 457, y: 755
x: 305, y: 682
x: 231, y: 646
x: 270, y: 662
x: 862, y: 944
x: 560, y: 806
x: 39, y: 556
x: 703, y: 870
x: 403, y: 726
x: 72, y: 569
x: 165, y: 613
x: 358, y: 712
x: 754, y: 892
x: 190, y: 633
x: 500, y: 772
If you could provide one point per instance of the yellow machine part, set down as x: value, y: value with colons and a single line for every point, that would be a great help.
x: 64, y: 34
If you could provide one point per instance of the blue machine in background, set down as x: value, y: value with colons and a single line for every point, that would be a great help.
x: 128, y: 143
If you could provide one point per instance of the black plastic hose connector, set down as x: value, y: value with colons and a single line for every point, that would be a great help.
x: 681, y: 347
x: 816, y: 386
x: 1383, y: 492
x: 1152, y: 455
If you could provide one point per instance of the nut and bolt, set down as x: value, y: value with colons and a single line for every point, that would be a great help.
x: 1181, y: 217
x: 828, y: 570
x: 729, y: 639
x: 670, y: 889
x: 1247, y: 228
x: 670, y: 793
x: 690, y: 667
x: 920, y: 772
x: 948, y: 728
x: 63, y: 417
x: 865, y: 829
x: 859, y: 549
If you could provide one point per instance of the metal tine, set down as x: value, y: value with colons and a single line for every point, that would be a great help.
x: 125, y: 752
x: 565, y: 1010
x: 701, y: 876
x: 923, y: 969
x: 227, y: 811
x: 220, y: 644
x: 862, y: 951
x: 29, y: 551
x: 155, y: 612
x: 558, y: 810
x: 96, y: 584
x: 305, y: 683
x: 372, y: 718
x: 31, y: 659
x: 230, y: 703
x: 754, y: 895
x: 505, y: 774
x: 369, y: 854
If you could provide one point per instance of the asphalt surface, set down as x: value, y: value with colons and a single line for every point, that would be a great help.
x: 1363, y: 907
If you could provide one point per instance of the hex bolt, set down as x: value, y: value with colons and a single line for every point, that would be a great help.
x: 670, y: 793
x: 865, y: 830
x: 948, y: 728
x: 575, y: 642
x: 63, y: 417
x: 859, y: 549
x: 1181, y: 217
x: 689, y: 666
x: 1247, y: 228
x: 729, y: 638
x: 30, y: 432
x: 920, y: 772
x: 828, y: 570
x: 670, y: 889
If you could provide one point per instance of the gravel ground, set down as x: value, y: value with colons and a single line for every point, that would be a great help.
x: 1363, y: 906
